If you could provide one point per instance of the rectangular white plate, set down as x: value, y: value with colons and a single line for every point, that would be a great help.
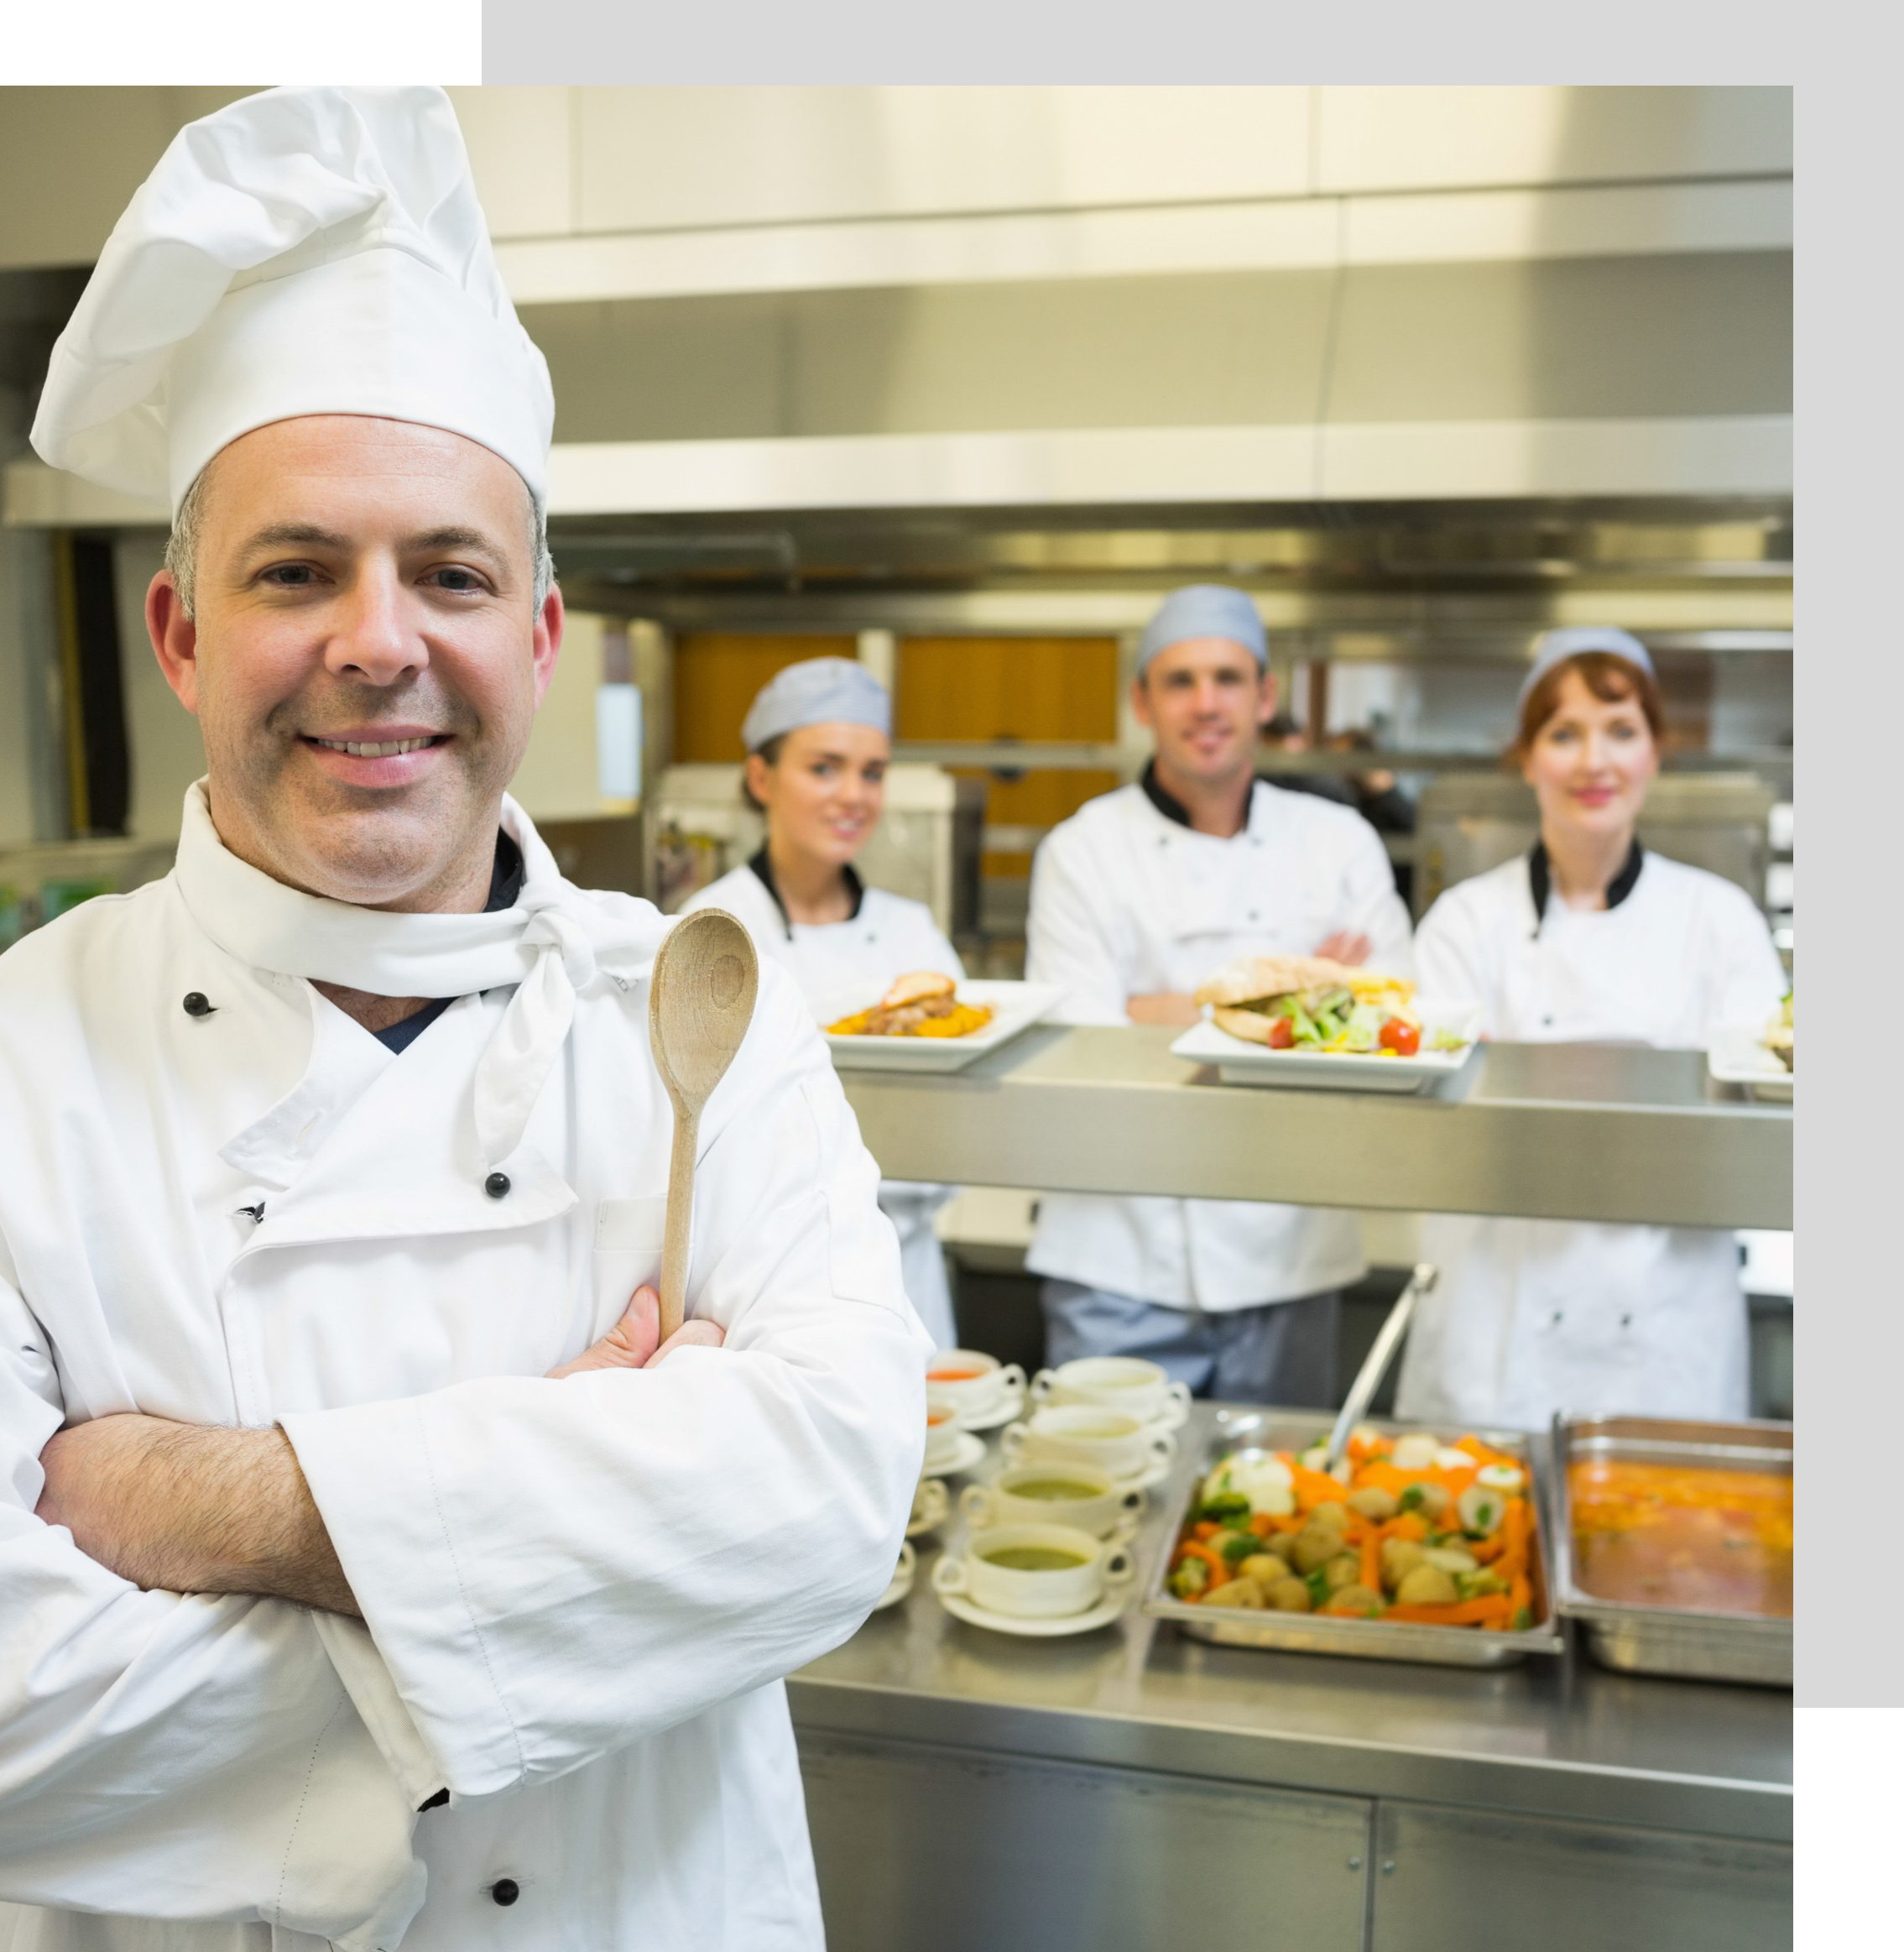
x: 1736, y: 1056
x: 1238, y: 1063
x: 1018, y: 1006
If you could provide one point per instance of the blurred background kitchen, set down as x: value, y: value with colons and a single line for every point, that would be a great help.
x: 956, y: 382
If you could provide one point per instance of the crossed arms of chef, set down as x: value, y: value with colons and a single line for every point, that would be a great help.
x: 185, y: 1508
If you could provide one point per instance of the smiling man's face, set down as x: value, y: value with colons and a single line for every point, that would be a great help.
x: 366, y: 657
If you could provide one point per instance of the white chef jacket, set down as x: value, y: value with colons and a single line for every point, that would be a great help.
x: 580, y: 1595
x: 839, y: 967
x: 1531, y: 1317
x: 1126, y: 901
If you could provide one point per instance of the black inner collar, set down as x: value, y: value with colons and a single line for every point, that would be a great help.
x: 763, y: 873
x: 1166, y: 804
x: 1540, y: 879
x: 505, y: 890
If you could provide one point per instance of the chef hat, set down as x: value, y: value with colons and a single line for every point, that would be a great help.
x: 303, y: 251
x: 1204, y: 610
x: 822, y: 691
x: 1555, y: 647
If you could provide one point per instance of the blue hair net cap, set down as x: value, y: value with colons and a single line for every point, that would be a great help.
x: 822, y: 691
x: 1204, y: 610
x: 1556, y: 646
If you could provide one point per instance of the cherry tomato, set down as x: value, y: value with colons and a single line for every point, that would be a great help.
x: 1404, y: 1039
x: 1282, y: 1033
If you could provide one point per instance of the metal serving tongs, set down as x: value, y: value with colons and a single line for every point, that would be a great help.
x: 1374, y: 1364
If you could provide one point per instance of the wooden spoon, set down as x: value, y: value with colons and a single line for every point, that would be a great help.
x: 700, y: 1003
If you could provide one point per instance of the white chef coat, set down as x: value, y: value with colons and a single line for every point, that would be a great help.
x: 1531, y: 1317
x: 839, y: 966
x: 1126, y: 901
x: 580, y: 1595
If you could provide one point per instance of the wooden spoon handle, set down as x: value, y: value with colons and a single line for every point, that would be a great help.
x: 681, y: 1216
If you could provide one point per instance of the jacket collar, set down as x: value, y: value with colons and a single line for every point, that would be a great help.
x: 1540, y: 879
x: 762, y: 870
x: 1173, y: 809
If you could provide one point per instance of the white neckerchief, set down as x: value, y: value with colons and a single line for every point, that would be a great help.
x: 552, y: 945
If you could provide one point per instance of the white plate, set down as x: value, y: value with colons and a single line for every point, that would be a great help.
x: 1017, y: 1007
x: 989, y: 1416
x: 1736, y: 1056
x: 970, y: 1450
x: 1152, y: 1473
x: 1240, y: 1062
x: 1101, y: 1615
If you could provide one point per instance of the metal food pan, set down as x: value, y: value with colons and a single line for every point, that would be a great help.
x: 1680, y: 1642
x: 1369, y: 1640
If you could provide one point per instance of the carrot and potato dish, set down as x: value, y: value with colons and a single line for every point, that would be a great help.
x: 1416, y: 1531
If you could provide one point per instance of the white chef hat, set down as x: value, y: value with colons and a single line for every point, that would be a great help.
x: 820, y: 691
x: 303, y: 251
x: 1204, y: 610
x: 1555, y: 647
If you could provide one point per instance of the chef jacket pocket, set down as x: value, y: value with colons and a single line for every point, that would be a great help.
x: 628, y: 1238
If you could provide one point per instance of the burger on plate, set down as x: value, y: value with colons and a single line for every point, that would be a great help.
x: 1308, y: 1003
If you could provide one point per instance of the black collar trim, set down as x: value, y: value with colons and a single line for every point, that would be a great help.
x: 763, y: 873
x: 1540, y: 879
x: 1166, y: 803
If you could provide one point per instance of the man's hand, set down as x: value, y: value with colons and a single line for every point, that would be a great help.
x: 191, y: 1508
x: 1345, y: 946
x: 630, y: 1343
x: 1163, y: 1006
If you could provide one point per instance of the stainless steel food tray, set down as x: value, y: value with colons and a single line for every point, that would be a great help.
x: 1370, y: 1640
x: 1669, y: 1640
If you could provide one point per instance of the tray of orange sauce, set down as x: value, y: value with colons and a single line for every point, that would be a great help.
x: 1673, y: 1545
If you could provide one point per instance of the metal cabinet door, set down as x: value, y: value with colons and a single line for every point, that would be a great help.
x: 953, y: 1850
x: 1576, y: 1887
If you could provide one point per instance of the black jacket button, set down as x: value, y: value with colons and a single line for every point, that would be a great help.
x: 197, y: 1004
x: 505, y: 1891
x: 496, y: 1185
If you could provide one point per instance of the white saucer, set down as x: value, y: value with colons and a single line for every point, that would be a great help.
x: 901, y: 1585
x: 970, y: 1450
x: 1101, y: 1615
x: 1010, y: 1404
x: 1152, y: 1474
x: 920, y: 1526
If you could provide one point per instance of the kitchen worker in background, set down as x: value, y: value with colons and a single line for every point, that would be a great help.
x: 1589, y: 937
x: 819, y: 739
x: 1135, y: 899
x: 366, y: 1572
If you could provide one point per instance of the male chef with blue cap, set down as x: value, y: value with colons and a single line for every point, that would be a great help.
x: 1137, y: 899
x: 367, y: 1575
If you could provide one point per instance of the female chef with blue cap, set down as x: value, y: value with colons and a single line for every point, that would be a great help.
x: 818, y: 740
x: 1589, y: 939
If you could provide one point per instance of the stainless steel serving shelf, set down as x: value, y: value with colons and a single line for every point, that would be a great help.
x: 1561, y: 1132
x: 1549, y: 1738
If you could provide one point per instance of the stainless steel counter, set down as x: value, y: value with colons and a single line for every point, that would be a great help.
x: 1558, y: 1738
x: 1565, y: 1131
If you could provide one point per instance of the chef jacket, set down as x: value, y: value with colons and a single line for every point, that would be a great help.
x: 842, y: 967
x: 1531, y: 1317
x: 579, y: 1597
x: 1128, y: 899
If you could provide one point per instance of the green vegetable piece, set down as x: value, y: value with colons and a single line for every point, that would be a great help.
x: 1189, y: 1579
x: 1224, y: 1507
x: 1411, y: 1498
x: 1319, y: 1588
x: 1237, y: 1546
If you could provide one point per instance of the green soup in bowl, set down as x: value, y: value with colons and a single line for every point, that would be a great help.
x: 1034, y: 1559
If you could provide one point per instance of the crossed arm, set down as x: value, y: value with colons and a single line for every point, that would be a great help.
x: 190, y: 1508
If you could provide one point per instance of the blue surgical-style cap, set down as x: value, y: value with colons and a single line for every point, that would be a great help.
x: 822, y: 691
x: 1556, y: 646
x: 1204, y: 610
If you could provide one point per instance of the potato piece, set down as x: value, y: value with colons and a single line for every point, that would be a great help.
x: 1332, y: 1513
x: 1315, y: 1546
x: 1377, y: 1506
x: 1291, y: 1596
x: 1450, y: 1559
x: 1400, y: 1558
x: 1343, y: 1570
x: 1431, y: 1500
x: 1355, y: 1599
x: 1236, y: 1593
x: 1265, y: 1569
x: 1426, y: 1585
